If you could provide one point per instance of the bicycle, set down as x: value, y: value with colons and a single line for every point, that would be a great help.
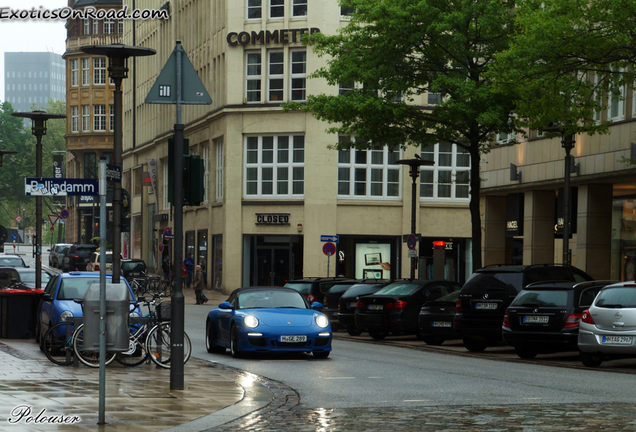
x: 61, y: 343
x: 151, y: 338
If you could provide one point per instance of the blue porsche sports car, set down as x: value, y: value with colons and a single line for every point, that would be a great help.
x: 268, y: 319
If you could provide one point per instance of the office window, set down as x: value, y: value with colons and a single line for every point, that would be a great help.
x: 164, y: 184
x: 120, y: 27
x: 86, y: 71
x: 276, y: 8
x: 253, y: 73
x: 616, y: 104
x: 87, y: 26
x: 254, y: 9
x: 86, y: 118
x: 346, y: 11
x: 99, y: 70
x: 95, y: 26
x: 74, y: 119
x: 74, y: 72
x: 137, y: 180
x: 449, y: 178
x: 299, y: 8
x: 111, y: 117
x: 99, y: 118
x: 298, y: 75
x: 345, y: 88
x: 219, y: 170
x: 109, y: 26
x: 276, y: 75
x: 90, y: 165
x: 369, y: 174
x: 275, y: 166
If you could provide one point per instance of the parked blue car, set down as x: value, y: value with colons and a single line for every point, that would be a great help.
x: 268, y: 319
x: 58, y: 303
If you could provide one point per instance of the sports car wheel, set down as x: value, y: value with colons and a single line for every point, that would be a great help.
x: 234, y: 349
x: 591, y: 359
x: 321, y: 354
x: 378, y: 334
x: 354, y: 331
x: 212, y: 347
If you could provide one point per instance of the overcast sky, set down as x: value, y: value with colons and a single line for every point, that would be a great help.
x: 30, y: 35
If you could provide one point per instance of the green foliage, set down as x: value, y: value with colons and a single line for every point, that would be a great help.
x: 409, y: 48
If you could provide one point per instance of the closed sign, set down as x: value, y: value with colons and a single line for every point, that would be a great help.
x: 272, y: 218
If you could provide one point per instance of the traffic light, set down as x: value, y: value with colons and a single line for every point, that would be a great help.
x: 193, y: 172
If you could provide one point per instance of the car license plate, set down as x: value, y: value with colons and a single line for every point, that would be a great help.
x: 619, y: 340
x: 353, y: 304
x: 532, y: 319
x: 442, y: 324
x: 376, y: 307
x: 486, y: 306
x: 293, y: 338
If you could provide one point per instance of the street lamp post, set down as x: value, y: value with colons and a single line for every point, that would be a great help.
x: 415, y: 165
x: 38, y: 128
x: 118, y: 55
x: 567, y: 142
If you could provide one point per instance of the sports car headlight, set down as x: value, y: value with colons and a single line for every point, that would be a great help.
x: 65, y: 315
x: 134, y: 314
x: 322, y: 321
x: 250, y: 321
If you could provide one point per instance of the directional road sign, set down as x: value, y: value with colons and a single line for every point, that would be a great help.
x: 329, y: 249
x: 329, y: 238
x: 113, y: 173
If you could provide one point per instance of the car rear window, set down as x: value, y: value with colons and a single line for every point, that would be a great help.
x: 75, y: 287
x: 29, y: 277
x: 502, y: 281
x: 547, y: 298
x: 339, y: 288
x: 362, y: 289
x: 301, y: 287
x: 622, y: 297
x: 398, y: 289
x: 11, y: 262
x: 84, y: 252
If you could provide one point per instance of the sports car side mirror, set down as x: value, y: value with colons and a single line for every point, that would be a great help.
x: 226, y: 305
x: 316, y: 305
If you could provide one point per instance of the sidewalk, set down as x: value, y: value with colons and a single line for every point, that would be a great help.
x: 35, y: 392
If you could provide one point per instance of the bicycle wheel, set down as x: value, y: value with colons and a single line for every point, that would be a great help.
x: 89, y: 358
x: 136, y: 353
x: 159, y: 345
x: 56, y: 344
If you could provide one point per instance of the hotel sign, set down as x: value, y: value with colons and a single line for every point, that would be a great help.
x: 266, y: 37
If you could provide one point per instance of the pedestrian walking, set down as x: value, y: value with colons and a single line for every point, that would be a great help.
x: 165, y: 267
x: 188, y: 263
x: 199, y: 284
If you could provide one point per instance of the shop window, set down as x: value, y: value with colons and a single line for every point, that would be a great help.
x: 449, y: 177
x: 217, y: 263
x: 274, y: 166
x: 369, y: 174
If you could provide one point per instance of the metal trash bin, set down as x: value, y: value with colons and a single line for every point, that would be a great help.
x: 117, y: 313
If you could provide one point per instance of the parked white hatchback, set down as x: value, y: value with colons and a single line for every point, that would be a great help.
x: 608, y: 328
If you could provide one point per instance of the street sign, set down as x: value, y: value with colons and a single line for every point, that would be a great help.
x: 167, y: 232
x: 113, y: 173
x: 160, y: 247
x: 60, y: 187
x: 18, y: 219
x: 329, y: 249
x: 412, y: 253
x: 329, y: 238
x: 53, y: 219
x: 164, y: 90
x: 64, y: 214
x: 52, y: 229
x: 411, y: 241
x: 14, y: 237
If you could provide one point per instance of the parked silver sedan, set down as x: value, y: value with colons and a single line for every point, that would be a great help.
x: 608, y: 328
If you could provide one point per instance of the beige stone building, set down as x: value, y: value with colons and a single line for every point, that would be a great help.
x: 89, y: 110
x: 272, y: 185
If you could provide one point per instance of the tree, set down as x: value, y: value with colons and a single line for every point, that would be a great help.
x: 409, y: 48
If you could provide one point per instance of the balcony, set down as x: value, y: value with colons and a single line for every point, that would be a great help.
x: 73, y: 43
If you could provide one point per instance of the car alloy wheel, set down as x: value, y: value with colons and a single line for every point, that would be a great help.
x: 474, y: 345
x: 432, y: 340
x: 525, y: 353
x: 591, y: 359
x: 210, y: 345
x: 354, y: 331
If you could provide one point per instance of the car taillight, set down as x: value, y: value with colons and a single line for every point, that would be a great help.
x: 96, y: 267
x: 572, y: 321
x: 586, y: 317
x: 360, y: 305
x: 506, y: 321
x: 399, y: 304
x: 458, y: 306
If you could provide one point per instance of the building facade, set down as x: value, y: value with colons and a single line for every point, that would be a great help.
x: 89, y: 111
x: 33, y: 78
x: 523, y: 215
x: 273, y: 187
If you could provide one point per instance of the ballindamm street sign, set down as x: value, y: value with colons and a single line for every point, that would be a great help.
x: 60, y: 187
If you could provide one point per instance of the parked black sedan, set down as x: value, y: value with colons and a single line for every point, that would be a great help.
x: 347, y: 305
x: 437, y: 318
x: 396, y: 307
x: 545, y: 316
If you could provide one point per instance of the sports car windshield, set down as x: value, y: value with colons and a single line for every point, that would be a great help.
x: 270, y: 299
